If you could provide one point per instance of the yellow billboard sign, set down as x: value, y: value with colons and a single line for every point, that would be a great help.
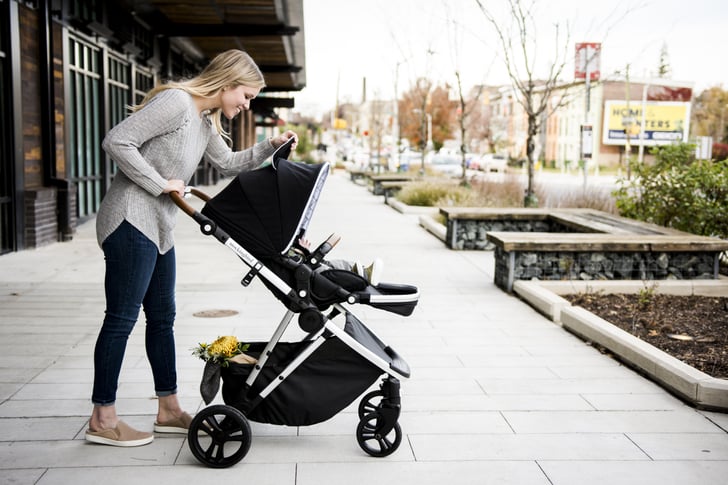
x: 663, y: 123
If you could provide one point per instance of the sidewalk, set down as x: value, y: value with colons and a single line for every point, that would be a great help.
x: 498, y: 394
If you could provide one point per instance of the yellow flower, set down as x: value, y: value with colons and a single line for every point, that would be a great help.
x: 226, y: 346
x: 221, y: 351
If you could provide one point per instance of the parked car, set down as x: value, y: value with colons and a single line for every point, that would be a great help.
x: 409, y: 158
x: 472, y: 161
x: 493, y: 162
x: 446, y: 164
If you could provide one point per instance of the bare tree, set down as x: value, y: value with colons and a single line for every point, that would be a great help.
x: 465, y: 107
x: 377, y: 125
x: 519, y: 58
x: 464, y: 111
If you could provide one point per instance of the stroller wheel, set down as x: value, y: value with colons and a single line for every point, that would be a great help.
x: 375, y: 437
x: 370, y: 403
x: 219, y: 436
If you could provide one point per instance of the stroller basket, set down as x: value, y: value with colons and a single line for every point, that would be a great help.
x: 329, y: 380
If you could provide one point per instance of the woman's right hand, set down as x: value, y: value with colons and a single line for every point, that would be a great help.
x: 175, y: 185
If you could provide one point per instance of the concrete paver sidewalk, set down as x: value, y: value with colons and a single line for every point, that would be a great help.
x: 498, y: 393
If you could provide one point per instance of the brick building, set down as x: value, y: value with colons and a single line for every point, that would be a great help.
x: 616, y: 111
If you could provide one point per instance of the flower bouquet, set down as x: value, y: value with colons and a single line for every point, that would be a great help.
x: 223, y: 351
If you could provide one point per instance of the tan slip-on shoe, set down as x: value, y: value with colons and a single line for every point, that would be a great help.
x: 176, y: 425
x: 122, y: 435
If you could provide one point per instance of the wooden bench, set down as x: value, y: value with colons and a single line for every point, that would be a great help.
x: 390, y: 188
x: 467, y: 226
x: 378, y: 180
x: 553, y: 256
x: 358, y: 174
x: 580, y: 244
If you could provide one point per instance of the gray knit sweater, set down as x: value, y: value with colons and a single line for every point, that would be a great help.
x: 164, y: 140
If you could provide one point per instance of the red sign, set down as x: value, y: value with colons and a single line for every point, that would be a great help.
x: 588, y: 60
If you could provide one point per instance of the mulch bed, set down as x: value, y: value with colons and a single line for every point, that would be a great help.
x: 693, y: 329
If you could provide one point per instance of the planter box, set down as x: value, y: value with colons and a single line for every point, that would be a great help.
x: 692, y: 385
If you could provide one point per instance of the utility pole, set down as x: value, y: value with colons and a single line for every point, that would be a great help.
x: 586, y: 151
x: 627, y: 122
x: 641, y: 149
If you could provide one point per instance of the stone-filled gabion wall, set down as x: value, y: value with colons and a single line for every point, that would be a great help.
x: 470, y: 234
x: 602, y: 266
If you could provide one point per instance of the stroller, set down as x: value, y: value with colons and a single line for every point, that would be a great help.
x: 260, y: 215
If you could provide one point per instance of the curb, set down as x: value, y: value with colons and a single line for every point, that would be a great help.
x: 410, y: 209
x: 692, y: 385
x: 434, y: 227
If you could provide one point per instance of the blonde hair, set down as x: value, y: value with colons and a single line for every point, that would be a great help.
x: 231, y: 68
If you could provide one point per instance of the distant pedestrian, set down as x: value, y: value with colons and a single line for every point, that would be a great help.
x: 157, y: 150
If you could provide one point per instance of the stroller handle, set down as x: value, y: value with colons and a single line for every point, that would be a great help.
x: 182, y: 204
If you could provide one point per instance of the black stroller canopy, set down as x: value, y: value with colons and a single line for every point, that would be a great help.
x: 265, y: 210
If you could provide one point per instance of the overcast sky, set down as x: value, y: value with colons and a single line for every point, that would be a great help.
x: 388, y: 40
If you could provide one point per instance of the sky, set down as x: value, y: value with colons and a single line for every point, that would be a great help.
x: 391, y: 43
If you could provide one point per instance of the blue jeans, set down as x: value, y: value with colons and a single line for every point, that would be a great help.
x: 136, y: 274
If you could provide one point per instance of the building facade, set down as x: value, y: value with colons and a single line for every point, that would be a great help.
x: 620, y: 117
x: 69, y: 70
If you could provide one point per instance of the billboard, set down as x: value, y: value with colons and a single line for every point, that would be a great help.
x: 665, y: 122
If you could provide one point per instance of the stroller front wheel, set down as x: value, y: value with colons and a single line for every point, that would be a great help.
x: 370, y: 403
x: 219, y: 436
x: 377, y: 438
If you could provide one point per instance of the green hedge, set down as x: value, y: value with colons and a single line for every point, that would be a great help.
x: 678, y: 191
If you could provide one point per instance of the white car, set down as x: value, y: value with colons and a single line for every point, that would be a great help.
x: 493, y: 162
x: 450, y: 165
x: 409, y: 158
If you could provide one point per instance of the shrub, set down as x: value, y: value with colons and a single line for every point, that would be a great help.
x: 508, y: 193
x: 597, y: 198
x: 430, y: 193
x: 505, y: 193
x: 678, y: 191
x: 447, y: 193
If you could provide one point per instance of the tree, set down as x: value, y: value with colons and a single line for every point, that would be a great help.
x: 377, y: 126
x: 416, y: 104
x: 664, y: 70
x: 463, y: 112
x: 442, y: 110
x: 413, y: 114
x: 709, y: 114
x: 479, y: 116
x: 519, y: 59
x: 467, y: 108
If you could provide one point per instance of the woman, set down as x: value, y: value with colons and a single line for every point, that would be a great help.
x: 157, y: 149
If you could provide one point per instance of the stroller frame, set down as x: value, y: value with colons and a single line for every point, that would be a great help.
x: 378, y: 432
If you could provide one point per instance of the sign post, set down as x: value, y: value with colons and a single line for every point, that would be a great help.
x: 586, y: 67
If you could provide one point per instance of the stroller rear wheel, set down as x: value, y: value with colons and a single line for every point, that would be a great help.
x: 219, y: 436
x: 377, y: 437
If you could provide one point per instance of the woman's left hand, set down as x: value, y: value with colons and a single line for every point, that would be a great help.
x: 279, y: 140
